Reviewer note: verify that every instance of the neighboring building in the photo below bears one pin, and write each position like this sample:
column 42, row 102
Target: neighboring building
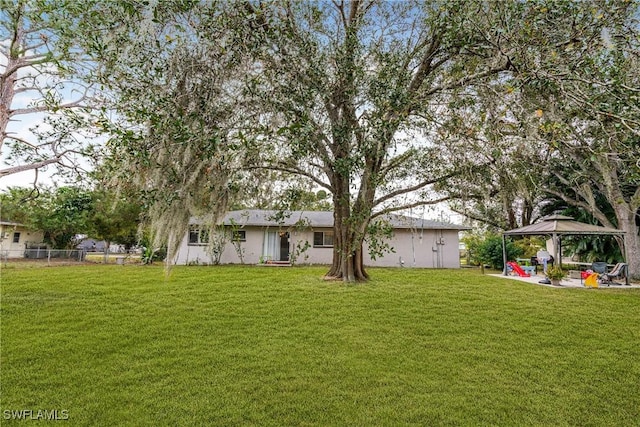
column 91, row 245
column 94, row 245
column 307, row 237
column 15, row 238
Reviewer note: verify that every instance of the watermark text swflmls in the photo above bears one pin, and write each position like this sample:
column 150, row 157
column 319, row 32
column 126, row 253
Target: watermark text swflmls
column 36, row 414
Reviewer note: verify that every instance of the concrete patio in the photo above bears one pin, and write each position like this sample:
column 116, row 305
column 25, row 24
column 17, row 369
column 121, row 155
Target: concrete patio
column 565, row 283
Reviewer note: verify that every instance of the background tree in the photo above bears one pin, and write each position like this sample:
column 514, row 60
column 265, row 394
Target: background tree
column 114, row 217
column 494, row 128
column 178, row 133
column 14, row 203
column 585, row 74
column 563, row 125
column 60, row 213
column 64, row 213
column 486, row 249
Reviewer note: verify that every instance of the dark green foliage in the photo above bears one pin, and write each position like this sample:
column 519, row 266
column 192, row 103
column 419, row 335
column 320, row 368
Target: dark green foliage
column 593, row 248
column 115, row 217
column 487, row 250
column 15, row 203
column 61, row 213
column 65, row 212
column 529, row 245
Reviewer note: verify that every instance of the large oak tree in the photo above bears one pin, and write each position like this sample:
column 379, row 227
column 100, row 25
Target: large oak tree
column 350, row 95
column 592, row 122
column 564, row 125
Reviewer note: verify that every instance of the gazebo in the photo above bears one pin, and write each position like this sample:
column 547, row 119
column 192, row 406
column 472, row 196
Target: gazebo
column 557, row 226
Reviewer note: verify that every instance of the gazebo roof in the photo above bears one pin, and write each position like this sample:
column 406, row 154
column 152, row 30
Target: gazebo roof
column 560, row 224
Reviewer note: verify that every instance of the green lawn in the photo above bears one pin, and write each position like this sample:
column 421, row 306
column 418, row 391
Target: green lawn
column 120, row 345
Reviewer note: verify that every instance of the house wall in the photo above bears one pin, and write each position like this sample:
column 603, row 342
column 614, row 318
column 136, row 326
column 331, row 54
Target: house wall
column 421, row 248
column 16, row 249
column 313, row 255
column 426, row 249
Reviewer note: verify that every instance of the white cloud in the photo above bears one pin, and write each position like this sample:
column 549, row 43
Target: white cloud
column 25, row 179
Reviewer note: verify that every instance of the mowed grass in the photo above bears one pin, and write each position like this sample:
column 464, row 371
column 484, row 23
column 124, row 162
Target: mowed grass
column 122, row 345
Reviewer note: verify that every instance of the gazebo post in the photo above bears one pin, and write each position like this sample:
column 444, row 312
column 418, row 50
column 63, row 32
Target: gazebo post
column 556, row 249
column 560, row 250
column 504, row 254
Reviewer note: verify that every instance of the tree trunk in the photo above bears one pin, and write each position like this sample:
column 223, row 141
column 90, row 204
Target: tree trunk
column 627, row 223
column 347, row 262
column 625, row 209
column 632, row 246
column 9, row 81
column 107, row 245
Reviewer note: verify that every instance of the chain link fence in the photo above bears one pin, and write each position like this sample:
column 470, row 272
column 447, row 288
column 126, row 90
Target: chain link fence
column 43, row 254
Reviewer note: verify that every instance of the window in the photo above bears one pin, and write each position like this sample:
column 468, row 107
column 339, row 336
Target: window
column 239, row 235
column 16, row 237
column 323, row 239
column 198, row 236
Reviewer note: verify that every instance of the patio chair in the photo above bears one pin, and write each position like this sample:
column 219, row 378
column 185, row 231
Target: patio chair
column 599, row 267
column 618, row 272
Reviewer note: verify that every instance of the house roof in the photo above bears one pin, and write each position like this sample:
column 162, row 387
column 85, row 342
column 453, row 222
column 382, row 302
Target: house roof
column 319, row 219
column 14, row 224
column 560, row 224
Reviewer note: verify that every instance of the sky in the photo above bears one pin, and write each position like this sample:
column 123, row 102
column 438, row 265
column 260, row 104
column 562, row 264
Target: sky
column 24, row 179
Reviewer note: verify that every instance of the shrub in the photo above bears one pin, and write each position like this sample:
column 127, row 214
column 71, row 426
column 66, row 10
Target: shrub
column 489, row 251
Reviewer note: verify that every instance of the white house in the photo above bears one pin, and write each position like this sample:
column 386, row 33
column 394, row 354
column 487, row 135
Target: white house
column 258, row 236
column 15, row 238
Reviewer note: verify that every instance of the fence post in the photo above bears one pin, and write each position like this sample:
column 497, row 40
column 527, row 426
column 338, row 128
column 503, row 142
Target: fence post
column 49, row 256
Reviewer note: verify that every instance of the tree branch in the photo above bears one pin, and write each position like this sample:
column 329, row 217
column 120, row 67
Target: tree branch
column 292, row 170
column 31, row 166
column 483, row 220
column 43, row 108
column 415, row 187
column 396, row 162
column 20, row 140
column 463, row 81
column 601, row 217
